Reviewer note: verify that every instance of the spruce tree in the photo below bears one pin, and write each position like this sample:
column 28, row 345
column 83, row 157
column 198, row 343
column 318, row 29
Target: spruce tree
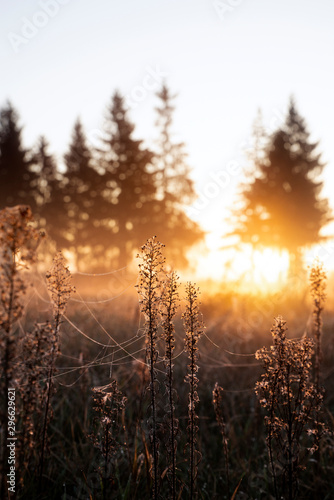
column 46, row 170
column 173, row 171
column 174, row 186
column 282, row 205
column 50, row 209
column 17, row 180
column 130, row 183
column 87, row 207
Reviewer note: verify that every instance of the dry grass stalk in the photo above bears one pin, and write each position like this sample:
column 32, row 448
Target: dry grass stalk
column 318, row 291
column 318, row 279
column 217, row 400
column 193, row 327
column 291, row 402
column 18, row 243
column 149, row 289
column 59, row 284
column 34, row 359
column 109, row 405
column 170, row 299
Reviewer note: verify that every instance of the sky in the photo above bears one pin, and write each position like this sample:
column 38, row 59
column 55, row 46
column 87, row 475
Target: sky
column 224, row 59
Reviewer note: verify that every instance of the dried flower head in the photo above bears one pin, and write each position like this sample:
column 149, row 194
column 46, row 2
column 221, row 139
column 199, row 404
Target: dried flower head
column 192, row 321
column 150, row 271
column 169, row 300
column 318, row 291
column 291, row 402
column 59, row 283
column 17, row 235
column 18, row 242
column 109, row 404
column 318, row 279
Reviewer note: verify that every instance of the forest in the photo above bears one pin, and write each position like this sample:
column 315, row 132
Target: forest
column 119, row 191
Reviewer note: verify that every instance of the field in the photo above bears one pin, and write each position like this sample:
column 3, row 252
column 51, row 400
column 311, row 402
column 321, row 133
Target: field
column 104, row 410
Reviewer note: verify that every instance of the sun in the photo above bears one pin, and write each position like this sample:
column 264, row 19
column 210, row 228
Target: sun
column 269, row 265
column 250, row 268
column 256, row 269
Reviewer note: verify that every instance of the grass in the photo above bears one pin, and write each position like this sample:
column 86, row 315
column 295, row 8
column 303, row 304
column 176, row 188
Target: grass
column 122, row 444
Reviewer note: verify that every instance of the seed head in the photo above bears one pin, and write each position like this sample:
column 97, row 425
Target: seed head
column 59, row 283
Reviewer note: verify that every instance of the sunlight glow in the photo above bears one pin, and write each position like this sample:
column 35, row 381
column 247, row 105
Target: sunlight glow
column 250, row 269
column 269, row 265
column 257, row 269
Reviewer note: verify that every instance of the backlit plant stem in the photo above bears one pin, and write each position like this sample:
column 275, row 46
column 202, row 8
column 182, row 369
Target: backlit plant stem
column 170, row 298
column 194, row 327
column 58, row 282
column 318, row 291
column 150, row 271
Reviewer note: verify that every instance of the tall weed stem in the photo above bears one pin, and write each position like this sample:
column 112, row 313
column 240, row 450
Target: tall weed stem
column 149, row 288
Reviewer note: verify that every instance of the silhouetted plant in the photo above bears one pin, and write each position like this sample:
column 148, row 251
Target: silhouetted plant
column 318, row 291
column 149, row 290
column 318, row 279
column 109, row 404
column 217, row 400
column 170, row 299
column 291, row 402
column 18, row 242
column 193, row 327
column 59, row 284
column 33, row 362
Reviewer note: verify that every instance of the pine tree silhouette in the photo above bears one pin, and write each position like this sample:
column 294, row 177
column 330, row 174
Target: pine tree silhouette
column 51, row 206
column 87, row 208
column 282, row 206
column 174, row 186
column 130, row 180
column 18, row 182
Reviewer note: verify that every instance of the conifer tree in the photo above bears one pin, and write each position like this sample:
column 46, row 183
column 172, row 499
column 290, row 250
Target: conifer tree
column 47, row 168
column 87, row 208
column 174, row 173
column 174, row 185
column 17, row 180
column 51, row 207
column 282, row 206
column 129, row 181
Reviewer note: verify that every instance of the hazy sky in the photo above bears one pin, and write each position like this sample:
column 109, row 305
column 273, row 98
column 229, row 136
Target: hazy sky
column 61, row 59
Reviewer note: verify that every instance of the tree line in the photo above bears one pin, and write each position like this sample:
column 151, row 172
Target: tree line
column 113, row 197
column 110, row 198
